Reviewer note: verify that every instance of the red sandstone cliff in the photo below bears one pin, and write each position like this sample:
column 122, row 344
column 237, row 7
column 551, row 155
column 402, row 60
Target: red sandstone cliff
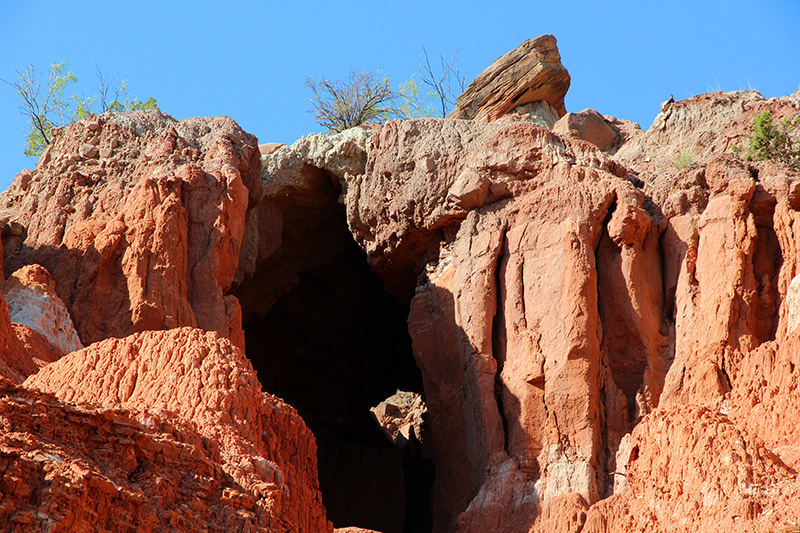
column 605, row 340
column 139, row 218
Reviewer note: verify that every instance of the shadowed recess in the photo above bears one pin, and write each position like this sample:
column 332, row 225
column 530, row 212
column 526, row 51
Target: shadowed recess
column 334, row 345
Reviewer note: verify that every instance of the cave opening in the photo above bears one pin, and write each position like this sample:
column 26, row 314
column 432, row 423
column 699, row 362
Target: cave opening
column 324, row 335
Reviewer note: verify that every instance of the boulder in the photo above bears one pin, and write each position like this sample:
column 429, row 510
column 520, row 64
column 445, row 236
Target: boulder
column 588, row 125
column 24, row 350
column 268, row 148
column 16, row 363
column 529, row 73
column 400, row 416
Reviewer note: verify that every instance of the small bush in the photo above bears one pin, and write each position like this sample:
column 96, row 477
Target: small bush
column 47, row 107
column 773, row 141
column 342, row 104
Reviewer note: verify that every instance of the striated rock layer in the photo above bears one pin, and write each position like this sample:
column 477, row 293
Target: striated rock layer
column 249, row 458
column 532, row 72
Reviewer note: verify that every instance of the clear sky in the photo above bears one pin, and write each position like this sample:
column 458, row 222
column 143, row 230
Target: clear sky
column 248, row 59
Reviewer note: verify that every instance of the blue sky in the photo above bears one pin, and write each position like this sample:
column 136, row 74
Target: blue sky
column 247, row 60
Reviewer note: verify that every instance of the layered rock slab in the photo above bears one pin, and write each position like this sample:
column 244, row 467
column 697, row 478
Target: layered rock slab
column 531, row 72
column 144, row 231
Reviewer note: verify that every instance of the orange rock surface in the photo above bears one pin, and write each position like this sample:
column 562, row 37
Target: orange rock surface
column 145, row 233
column 560, row 305
column 204, row 385
column 606, row 341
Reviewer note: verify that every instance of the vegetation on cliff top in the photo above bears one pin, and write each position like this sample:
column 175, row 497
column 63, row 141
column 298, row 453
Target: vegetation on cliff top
column 774, row 141
column 368, row 96
column 47, row 107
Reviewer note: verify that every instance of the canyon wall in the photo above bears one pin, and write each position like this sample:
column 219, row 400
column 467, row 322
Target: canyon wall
column 605, row 340
column 565, row 297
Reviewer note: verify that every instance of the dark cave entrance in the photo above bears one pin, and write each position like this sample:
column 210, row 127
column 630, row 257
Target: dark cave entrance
column 324, row 335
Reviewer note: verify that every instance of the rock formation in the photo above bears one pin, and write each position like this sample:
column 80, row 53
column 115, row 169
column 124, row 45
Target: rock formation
column 144, row 231
column 262, row 446
column 517, row 275
column 32, row 301
column 531, row 72
column 603, row 331
column 402, row 417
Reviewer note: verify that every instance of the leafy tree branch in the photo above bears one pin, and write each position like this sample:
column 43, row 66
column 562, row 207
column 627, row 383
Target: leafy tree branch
column 363, row 97
column 47, row 107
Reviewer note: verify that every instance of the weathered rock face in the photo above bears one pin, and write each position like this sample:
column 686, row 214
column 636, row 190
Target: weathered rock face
column 522, row 230
column 144, row 232
column 692, row 469
column 91, row 467
column 540, row 113
column 23, row 350
column 294, row 212
column 531, row 72
column 254, row 453
column 557, row 304
column 689, row 134
column 605, row 344
column 149, row 239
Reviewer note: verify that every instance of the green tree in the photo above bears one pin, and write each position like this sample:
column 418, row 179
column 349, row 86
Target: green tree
column 413, row 103
column 444, row 85
column 341, row 104
column 113, row 95
column 47, row 107
column 772, row 140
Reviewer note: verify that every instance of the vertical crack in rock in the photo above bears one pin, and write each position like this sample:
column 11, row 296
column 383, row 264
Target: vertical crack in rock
column 499, row 340
column 767, row 262
column 478, row 247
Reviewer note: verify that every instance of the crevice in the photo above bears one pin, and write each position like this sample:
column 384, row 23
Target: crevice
column 727, row 379
column 767, row 262
column 622, row 345
column 669, row 275
column 499, row 340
